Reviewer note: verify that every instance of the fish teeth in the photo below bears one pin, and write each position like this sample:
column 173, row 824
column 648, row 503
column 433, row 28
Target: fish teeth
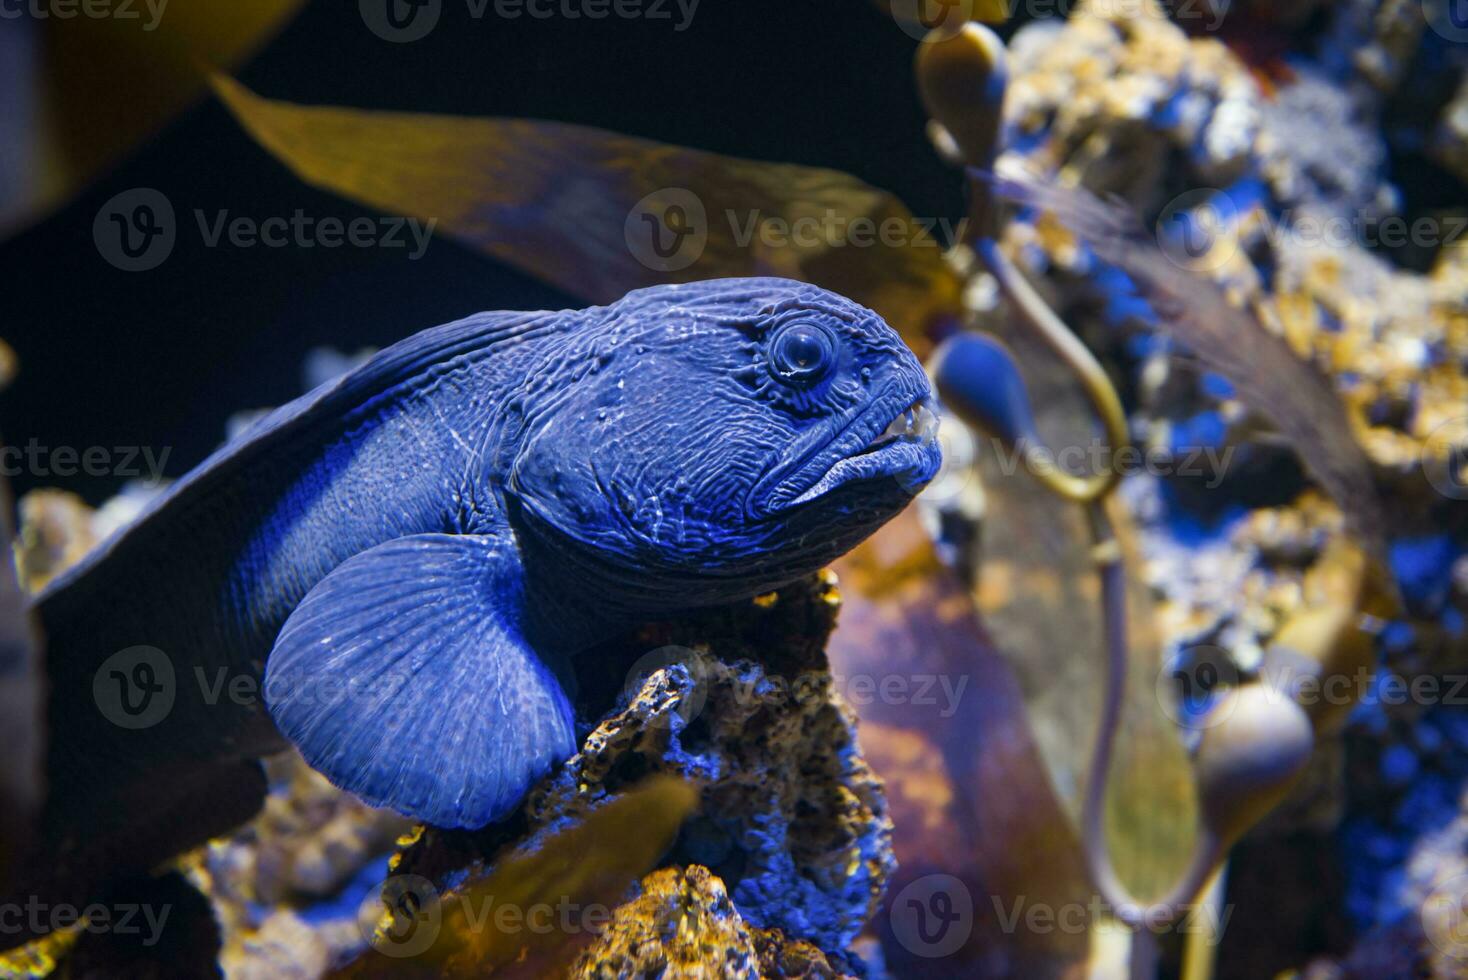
column 917, row 422
column 926, row 423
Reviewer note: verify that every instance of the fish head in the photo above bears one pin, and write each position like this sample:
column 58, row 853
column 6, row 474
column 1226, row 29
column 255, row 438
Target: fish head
column 727, row 435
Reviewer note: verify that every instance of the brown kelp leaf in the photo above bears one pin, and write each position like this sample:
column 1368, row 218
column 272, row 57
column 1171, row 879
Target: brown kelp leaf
column 156, row 56
column 1039, row 594
column 943, row 721
column 1267, row 374
column 596, row 213
column 529, row 914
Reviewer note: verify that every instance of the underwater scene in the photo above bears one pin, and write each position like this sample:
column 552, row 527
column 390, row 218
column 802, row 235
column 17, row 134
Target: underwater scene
column 692, row 489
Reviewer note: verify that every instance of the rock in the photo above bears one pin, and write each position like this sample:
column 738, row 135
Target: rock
column 1290, row 183
column 1119, row 90
column 281, row 948
column 792, row 819
column 1450, row 141
column 780, row 956
column 55, row 532
column 682, row 927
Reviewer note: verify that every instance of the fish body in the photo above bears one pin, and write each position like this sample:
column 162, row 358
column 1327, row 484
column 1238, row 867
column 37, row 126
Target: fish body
column 395, row 572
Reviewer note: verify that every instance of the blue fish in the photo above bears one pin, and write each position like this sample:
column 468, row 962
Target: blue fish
column 405, row 561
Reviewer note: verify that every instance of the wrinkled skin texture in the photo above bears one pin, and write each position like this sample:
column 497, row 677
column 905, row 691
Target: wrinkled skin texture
column 678, row 459
column 461, row 516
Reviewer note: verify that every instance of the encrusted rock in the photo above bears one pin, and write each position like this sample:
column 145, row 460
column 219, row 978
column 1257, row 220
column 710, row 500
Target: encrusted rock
column 793, row 820
column 1291, row 182
column 55, row 532
column 275, row 882
column 282, row 947
column 1388, row 32
column 1118, row 90
column 780, row 957
column 682, row 927
column 1450, row 142
column 57, row 528
column 1422, row 905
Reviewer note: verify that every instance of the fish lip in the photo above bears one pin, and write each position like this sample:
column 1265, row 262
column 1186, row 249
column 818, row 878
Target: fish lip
column 787, row 486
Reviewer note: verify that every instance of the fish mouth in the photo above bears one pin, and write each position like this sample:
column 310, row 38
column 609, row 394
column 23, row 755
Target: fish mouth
column 900, row 443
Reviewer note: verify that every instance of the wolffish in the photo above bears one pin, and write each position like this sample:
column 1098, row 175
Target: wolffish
column 406, row 560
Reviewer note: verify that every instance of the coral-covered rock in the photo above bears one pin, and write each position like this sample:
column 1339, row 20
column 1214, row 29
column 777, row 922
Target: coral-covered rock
column 1118, row 91
column 792, row 820
column 1450, row 141
column 275, row 882
column 55, row 532
column 780, row 956
column 1288, row 185
column 682, row 927
column 281, row 947
column 1382, row 36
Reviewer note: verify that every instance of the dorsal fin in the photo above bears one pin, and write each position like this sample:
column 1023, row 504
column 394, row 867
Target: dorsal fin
column 436, row 350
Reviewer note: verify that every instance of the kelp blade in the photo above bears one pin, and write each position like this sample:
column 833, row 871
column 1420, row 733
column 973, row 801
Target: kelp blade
column 1039, row 595
column 590, row 865
column 578, row 207
column 158, row 53
column 968, row 789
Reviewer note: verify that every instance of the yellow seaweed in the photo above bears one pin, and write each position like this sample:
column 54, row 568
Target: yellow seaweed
column 596, row 213
column 163, row 53
column 1049, row 626
column 464, row 932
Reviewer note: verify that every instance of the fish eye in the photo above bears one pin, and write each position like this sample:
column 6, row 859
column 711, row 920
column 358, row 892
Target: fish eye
column 802, row 353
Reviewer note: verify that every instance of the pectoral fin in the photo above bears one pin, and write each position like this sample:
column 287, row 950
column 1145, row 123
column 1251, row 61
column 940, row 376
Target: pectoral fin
column 404, row 677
